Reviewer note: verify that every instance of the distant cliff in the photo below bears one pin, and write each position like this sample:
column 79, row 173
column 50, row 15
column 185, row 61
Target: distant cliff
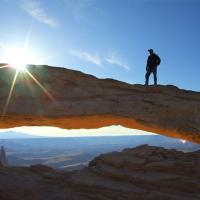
column 3, row 158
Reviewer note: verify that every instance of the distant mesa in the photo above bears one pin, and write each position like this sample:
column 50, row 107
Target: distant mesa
column 71, row 99
column 17, row 135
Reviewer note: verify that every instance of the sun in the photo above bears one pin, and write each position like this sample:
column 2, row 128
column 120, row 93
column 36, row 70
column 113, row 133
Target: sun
column 18, row 57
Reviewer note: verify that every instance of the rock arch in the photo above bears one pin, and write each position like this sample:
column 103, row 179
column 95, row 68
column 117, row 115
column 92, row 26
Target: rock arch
column 71, row 99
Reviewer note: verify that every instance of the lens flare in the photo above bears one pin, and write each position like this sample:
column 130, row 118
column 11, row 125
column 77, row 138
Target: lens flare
column 18, row 57
column 183, row 141
column 10, row 93
column 5, row 66
column 40, row 85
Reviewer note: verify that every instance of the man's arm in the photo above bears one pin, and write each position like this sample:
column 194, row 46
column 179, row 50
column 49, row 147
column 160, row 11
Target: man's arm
column 147, row 65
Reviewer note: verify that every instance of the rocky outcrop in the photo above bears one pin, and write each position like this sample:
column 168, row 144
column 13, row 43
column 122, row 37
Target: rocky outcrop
column 145, row 172
column 71, row 99
column 3, row 158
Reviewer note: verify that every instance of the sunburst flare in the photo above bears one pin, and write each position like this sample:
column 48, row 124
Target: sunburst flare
column 40, row 85
column 19, row 57
column 10, row 93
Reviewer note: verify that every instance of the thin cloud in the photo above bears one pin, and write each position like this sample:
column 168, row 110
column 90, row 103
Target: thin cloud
column 82, row 10
column 115, row 59
column 93, row 58
column 35, row 9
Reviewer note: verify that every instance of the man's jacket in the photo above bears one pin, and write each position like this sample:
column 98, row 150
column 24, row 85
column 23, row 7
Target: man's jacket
column 153, row 61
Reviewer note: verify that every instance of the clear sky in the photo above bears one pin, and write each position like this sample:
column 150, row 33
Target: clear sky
column 109, row 38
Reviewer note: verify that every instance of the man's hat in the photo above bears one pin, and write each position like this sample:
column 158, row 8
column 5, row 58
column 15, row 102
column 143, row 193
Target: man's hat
column 150, row 50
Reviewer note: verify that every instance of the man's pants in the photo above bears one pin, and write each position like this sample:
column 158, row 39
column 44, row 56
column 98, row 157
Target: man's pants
column 148, row 73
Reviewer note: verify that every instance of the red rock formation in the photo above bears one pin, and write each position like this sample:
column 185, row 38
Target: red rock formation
column 77, row 100
column 144, row 172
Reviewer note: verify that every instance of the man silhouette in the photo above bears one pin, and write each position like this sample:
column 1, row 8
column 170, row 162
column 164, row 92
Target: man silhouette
column 152, row 62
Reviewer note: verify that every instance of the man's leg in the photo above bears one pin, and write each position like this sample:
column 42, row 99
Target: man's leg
column 147, row 76
column 155, row 75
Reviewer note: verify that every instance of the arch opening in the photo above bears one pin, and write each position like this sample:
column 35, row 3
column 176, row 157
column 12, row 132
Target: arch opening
column 75, row 148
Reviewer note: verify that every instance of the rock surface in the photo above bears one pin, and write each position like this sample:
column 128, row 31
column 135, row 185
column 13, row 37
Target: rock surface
column 3, row 158
column 145, row 172
column 70, row 99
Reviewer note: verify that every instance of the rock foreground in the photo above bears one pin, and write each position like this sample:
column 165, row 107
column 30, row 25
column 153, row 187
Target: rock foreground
column 144, row 172
column 71, row 99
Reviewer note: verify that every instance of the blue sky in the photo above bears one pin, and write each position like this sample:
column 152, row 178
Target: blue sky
column 109, row 38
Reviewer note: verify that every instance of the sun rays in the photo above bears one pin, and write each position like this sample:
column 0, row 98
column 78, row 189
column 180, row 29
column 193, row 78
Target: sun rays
column 10, row 93
column 25, row 71
column 18, row 59
column 40, row 85
column 30, row 75
column 3, row 66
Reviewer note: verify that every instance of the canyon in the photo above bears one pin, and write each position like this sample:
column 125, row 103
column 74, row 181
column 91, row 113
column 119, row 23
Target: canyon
column 144, row 172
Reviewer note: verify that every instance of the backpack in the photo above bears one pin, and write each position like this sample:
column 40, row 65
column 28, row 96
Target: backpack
column 158, row 60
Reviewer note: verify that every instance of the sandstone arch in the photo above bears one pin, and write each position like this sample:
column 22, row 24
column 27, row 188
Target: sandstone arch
column 84, row 101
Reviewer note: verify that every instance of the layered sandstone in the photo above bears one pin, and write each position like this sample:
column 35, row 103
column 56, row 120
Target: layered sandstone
column 71, row 99
column 145, row 172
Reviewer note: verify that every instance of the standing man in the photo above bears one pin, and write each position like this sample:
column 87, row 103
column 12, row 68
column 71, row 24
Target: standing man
column 152, row 62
